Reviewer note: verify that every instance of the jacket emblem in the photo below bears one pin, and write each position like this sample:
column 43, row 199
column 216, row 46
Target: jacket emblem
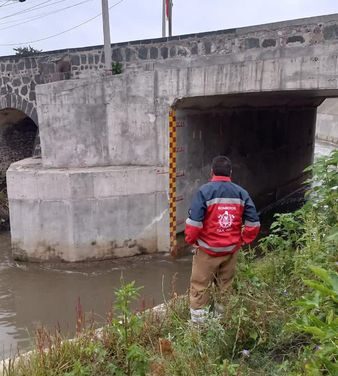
column 225, row 220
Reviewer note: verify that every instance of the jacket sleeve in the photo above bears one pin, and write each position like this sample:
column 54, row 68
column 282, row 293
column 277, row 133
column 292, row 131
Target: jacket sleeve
column 251, row 221
column 194, row 223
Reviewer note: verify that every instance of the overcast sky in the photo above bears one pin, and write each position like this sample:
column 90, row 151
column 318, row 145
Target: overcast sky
column 23, row 23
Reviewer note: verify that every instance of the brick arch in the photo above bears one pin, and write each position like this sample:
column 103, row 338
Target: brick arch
column 15, row 101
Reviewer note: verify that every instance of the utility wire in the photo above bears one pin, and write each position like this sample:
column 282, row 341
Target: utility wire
column 9, row 20
column 14, row 2
column 62, row 32
column 25, row 10
column 34, row 8
column 4, row 4
column 37, row 17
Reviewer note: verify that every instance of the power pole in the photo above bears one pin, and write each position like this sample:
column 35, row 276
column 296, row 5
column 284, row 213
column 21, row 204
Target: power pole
column 106, row 36
column 170, row 17
column 163, row 18
column 167, row 16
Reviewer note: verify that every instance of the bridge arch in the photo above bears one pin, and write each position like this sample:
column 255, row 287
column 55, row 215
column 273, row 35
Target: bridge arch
column 16, row 102
column 18, row 133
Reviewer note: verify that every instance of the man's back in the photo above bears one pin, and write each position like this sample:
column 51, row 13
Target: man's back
column 217, row 214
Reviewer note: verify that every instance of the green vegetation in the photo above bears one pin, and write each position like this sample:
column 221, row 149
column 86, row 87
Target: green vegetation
column 26, row 51
column 280, row 317
column 116, row 67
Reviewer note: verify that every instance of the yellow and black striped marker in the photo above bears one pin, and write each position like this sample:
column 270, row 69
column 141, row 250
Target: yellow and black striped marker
column 172, row 181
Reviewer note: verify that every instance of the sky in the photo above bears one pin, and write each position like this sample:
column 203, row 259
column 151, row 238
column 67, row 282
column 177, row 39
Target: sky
column 22, row 24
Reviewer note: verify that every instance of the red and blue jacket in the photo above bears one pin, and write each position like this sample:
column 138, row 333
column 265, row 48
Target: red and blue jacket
column 222, row 217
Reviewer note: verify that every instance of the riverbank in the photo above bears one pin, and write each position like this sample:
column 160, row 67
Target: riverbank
column 35, row 295
column 32, row 295
column 280, row 317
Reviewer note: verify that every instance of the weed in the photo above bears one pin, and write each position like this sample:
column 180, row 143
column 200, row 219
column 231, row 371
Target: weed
column 117, row 68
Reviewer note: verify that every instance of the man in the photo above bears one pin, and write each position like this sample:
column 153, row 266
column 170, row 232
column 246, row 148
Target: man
column 222, row 217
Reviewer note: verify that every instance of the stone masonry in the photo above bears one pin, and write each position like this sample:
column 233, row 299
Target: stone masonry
column 19, row 76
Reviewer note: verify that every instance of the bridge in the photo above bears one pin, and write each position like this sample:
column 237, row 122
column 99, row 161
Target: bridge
column 122, row 155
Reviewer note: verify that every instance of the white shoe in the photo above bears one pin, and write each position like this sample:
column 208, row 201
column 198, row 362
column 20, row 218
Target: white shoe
column 199, row 316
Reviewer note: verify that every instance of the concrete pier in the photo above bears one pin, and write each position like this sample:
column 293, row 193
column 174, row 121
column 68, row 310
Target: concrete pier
column 85, row 213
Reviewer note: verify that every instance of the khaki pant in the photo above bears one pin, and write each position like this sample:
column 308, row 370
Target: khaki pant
column 207, row 269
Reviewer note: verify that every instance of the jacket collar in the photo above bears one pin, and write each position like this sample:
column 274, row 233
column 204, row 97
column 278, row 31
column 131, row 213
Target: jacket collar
column 220, row 178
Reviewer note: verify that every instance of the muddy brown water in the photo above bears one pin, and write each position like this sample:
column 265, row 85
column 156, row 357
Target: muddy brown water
column 32, row 295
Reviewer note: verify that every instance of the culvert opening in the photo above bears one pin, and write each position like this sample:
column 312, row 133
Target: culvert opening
column 270, row 139
column 17, row 139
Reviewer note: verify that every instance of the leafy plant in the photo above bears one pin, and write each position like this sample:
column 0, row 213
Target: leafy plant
column 126, row 328
column 116, row 68
column 318, row 317
column 26, row 51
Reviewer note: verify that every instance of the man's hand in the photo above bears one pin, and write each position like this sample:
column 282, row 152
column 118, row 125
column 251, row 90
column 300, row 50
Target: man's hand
column 194, row 249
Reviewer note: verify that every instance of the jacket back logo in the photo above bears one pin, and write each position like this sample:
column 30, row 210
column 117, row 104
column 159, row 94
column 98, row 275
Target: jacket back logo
column 225, row 220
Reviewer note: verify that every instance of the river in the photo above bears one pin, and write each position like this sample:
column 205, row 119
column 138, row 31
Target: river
column 32, row 295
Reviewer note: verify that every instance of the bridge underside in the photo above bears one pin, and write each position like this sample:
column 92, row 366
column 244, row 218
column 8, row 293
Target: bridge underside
column 17, row 137
column 269, row 138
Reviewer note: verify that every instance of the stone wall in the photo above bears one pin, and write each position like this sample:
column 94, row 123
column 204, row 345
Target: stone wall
column 19, row 76
column 16, row 142
column 17, row 137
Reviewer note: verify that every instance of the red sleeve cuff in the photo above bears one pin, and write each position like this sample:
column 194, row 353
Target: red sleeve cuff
column 250, row 233
column 191, row 234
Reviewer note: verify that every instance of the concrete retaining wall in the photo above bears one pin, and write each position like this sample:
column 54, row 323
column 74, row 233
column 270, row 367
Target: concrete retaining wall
column 100, row 122
column 327, row 121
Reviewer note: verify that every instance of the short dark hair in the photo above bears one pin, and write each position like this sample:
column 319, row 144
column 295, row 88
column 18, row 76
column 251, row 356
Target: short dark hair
column 221, row 166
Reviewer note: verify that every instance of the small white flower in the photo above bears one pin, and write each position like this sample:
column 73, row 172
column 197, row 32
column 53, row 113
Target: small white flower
column 246, row 353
